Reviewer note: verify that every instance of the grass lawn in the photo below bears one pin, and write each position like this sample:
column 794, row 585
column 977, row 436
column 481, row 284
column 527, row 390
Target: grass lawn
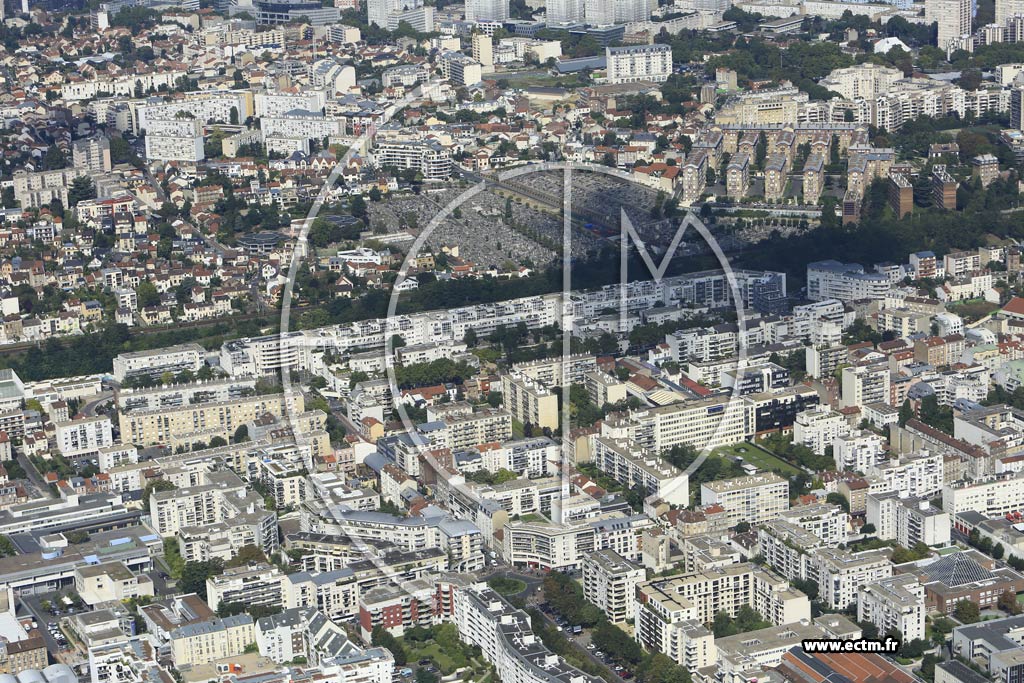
column 973, row 309
column 758, row 457
column 432, row 651
column 507, row 586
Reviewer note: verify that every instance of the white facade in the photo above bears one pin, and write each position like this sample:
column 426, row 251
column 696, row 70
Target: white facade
column 85, row 436
column 633, row 63
column 896, row 603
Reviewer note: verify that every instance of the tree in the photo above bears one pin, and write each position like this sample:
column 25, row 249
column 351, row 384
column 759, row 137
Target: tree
column 967, row 612
column 246, row 555
column 998, row 551
column 241, row 434
column 7, row 198
column 617, row 643
column 153, row 487
column 54, row 158
column 82, row 188
column 194, row 576
column 868, row 529
column 234, row 116
column 147, row 294
column 906, row 413
column 217, row 442
column 382, row 638
column 1008, row 602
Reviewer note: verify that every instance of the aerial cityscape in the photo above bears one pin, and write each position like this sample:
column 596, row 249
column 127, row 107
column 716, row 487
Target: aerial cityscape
column 511, row 341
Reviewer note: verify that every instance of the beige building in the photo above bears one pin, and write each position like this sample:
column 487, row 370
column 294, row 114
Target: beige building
column 670, row 612
column 190, row 424
column 110, row 581
column 530, row 402
column 208, row 641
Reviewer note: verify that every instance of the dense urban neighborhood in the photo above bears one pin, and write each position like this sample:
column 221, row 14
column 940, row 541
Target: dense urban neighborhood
column 521, row 341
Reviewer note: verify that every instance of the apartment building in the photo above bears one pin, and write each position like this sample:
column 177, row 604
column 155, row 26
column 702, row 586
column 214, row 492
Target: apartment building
column 208, row 641
column 993, row 496
column 864, row 384
column 894, row 604
column 609, row 581
column 844, row 281
column 213, row 517
column 174, row 139
column 813, row 178
column 529, row 402
column 468, row 429
column 434, row 528
column 254, row 584
column 864, row 81
column 92, row 154
column 190, row 424
column 506, row 639
column 637, row 63
column 818, row 427
column 663, row 604
column 753, row 499
column 155, row 362
column 840, row 573
column 858, row 451
column 708, row 423
column 737, row 176
column 918, row 475
column 632, row 466
column 908, row 521
column 85, row 436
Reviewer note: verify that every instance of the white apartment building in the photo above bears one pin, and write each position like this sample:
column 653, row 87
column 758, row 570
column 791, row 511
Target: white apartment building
column 174, row 139
column 830, row 523
column 840, row 573
column 428, row 158
column 818, row 427
column 864, row 384
column 565, row 11
column 895, row 603
column 920, row 475
column 92, row 154
column 667, row 606
column 278, row 103
column 462, row 540
column 864, row 81
column 486, row 10
column 506, row 639
column 632, row 466
column 116, row 455
column 708, row 423
column 609, row 581
column 994, row 496
column 84, row 436
column 256, row 584
column 858, row 451
column 635, row 63
column 908, row 521
column 953, row 17
column 155, row 362
column 753, row 499
column 460, row 69
column 302, row 124
column 844, row 281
